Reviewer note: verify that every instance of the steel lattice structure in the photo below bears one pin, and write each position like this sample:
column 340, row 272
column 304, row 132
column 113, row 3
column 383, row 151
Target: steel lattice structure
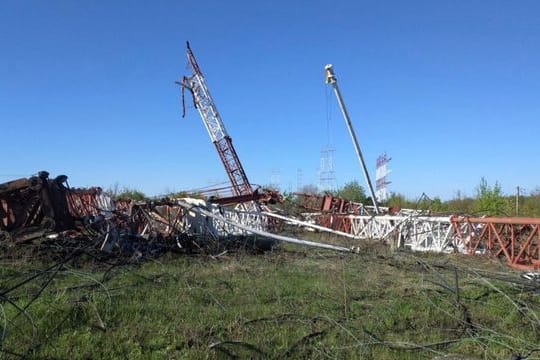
column 216, row 129
column 516, row 239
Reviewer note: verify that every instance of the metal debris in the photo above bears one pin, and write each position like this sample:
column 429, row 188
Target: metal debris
column 38, row 209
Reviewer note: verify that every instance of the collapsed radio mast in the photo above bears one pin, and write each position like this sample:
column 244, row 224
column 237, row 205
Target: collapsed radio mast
column 202, row 100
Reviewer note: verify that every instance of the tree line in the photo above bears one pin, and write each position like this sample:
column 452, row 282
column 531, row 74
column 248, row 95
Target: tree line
column 488, row 200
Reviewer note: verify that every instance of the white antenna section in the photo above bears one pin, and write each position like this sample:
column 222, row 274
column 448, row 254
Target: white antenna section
column 380, row 177
column 327, row 176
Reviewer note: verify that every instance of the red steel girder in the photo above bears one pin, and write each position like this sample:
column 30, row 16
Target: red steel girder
column 517, row 240
column 233, row 167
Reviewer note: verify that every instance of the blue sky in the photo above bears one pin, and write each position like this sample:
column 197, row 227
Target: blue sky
column 449, row 89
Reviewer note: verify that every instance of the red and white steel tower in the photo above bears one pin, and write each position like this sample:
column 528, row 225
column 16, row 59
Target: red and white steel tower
column 202, row 100
column 380, row 177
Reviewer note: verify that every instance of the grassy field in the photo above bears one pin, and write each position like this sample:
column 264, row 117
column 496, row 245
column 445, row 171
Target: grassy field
column 291, row 302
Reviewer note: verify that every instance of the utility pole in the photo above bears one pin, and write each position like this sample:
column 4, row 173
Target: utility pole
column 517, row 200
column 331, row 79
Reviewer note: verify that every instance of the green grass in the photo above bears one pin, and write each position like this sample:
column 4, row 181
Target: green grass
column 288, row 303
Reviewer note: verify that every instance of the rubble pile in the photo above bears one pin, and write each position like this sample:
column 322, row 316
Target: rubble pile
column 46, row 211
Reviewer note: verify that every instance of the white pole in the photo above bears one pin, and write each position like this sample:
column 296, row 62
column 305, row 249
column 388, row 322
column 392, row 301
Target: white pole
column 202, row 211
column 313, row 226
column 331, row 79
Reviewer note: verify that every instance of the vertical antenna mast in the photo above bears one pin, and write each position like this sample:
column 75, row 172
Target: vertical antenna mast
column 331, row 79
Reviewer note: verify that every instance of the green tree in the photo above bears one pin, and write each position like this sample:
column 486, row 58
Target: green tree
column 437, row 205
column 132, row 194
column 530, row 205
column 489, row 199
column 352, row 191
column 397, row 200
column 460, row 204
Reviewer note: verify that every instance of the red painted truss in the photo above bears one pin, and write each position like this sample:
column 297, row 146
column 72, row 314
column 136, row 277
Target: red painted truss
column 517, row 240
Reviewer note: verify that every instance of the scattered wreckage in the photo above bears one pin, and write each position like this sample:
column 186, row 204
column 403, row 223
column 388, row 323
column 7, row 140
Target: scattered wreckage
column 516, row 240
column 41, row 207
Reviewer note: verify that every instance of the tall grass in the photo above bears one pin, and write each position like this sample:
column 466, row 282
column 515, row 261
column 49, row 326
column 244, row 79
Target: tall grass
column 288, row 303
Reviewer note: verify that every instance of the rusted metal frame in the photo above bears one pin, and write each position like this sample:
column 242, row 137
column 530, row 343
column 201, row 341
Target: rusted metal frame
column 56, row 199
column 347, row 224
column 475, row 239
column 32, row 206
column 327, row 203
column 15, row 185
column 151, row 219
column 47, row 207
column 500, row 237
column 331, row 204
column 233, row 168
column 138, row 220
column 145, row 219
column 310, row 201
column 6, row 215
column 510, row 240
column 87, row 205
column 525, row 248
column 261, row 196
column 154, row 217
column 529, row 258
column 78, row 205
column 494, row 234
column 330, row 221
column 538, row 243
column 162, row 215
column 33, row 211
column 235, row 199
column 326, row 220
column 175, row 220
column 459, row 234
column 160, row 218
column 340, row 206
column 335, row 222
column 338, row 222
column 528, row 245
column 534, row 246
column 524, row 257
column 168, row 220
column 22, row 204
